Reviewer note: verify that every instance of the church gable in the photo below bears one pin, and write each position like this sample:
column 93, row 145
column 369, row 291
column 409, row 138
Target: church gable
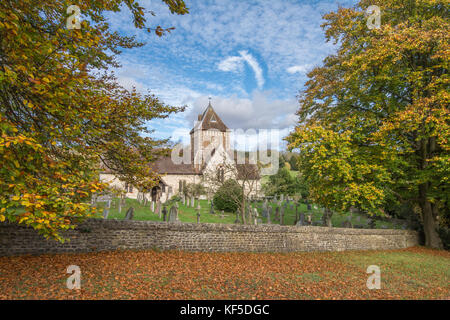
column 210, row 120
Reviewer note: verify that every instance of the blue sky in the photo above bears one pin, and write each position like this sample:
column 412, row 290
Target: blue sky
column 251, row 57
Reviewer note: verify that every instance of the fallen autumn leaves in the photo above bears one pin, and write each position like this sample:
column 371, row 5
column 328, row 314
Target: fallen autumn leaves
column 414, row 273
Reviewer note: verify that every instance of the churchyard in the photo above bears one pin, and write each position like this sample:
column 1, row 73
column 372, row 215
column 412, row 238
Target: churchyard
column 187, row 213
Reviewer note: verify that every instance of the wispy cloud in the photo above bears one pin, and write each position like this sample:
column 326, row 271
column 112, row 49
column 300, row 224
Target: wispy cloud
column 299, row 68
column 236, row 64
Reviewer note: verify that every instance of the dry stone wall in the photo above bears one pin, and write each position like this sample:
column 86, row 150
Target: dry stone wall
column 105, row 235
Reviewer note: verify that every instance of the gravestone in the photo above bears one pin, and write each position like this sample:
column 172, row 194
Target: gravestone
column 264, row 212
column 198, row 217
column 309, row 219
column 158, row 209
column 192, row 201
column 222, row 215
column 282, row 197
column 258, row 221
column 211, row 209
column 106, row 209
column 358, row 219
column 302, row 219
column 164, row 212
column 269, row 213
column 152, row 206
column 173, row 214
column 237, row 217
column 187, row 202
column 130, row 214
column 371, row 223
column 346, row 224
column 277, row 214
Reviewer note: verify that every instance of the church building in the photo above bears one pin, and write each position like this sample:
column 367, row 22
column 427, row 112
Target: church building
column 208, row 157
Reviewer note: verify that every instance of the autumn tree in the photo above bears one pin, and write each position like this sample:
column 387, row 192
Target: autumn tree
column 374, row 118
column 62, row 113
column 245, row 175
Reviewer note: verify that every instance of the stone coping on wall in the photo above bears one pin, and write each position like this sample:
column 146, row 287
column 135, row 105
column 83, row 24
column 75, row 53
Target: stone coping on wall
column 185, row 226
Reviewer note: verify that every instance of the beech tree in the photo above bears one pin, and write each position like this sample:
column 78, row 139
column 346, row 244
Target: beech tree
column 374, row 118
column 62, row 113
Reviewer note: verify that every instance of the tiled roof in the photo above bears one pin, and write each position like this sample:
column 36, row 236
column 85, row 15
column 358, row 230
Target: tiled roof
column 210, row 120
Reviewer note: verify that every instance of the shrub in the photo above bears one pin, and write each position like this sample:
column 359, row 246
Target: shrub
column 228, row 197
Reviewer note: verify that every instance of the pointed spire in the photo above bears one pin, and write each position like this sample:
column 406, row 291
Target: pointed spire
column 209, row 104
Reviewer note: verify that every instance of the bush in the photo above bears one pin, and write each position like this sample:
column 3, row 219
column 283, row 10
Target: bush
column 444, row 234
column 228, row 197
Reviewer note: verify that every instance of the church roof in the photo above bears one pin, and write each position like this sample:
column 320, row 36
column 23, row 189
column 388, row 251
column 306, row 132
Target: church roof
column 209, row 120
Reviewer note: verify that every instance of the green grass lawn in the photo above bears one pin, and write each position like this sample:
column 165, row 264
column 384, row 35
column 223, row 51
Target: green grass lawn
column 189, row 214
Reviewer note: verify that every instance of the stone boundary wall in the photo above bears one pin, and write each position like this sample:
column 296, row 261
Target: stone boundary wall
column 106, row 235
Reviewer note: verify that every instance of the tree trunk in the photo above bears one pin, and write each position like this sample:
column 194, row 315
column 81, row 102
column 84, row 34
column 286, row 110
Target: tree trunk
column 429, row 214
column 432, row 239
column 243, row 208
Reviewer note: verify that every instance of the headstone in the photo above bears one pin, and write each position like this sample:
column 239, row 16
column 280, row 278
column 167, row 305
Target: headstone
column 277, row 214
column 158, row 209
column 152, row 206
column 187, row 202
column 130, row 214
column 258, row 221
column 302, row 219
column 309, row 219
column 237, row 216
column 346, row 224
column 222, row 215
column 173, row 214
column 358, row 219
column 282, row 197
column 264, row 210
column 164, row 212
column 211, row 209
column 198, row 217
column 106, row 209
column 371, row 223
column 192, row 201
column 269, row 213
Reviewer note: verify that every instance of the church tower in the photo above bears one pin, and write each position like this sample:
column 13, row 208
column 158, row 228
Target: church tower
column 208, row 134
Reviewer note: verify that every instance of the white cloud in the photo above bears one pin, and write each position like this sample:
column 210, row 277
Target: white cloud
column 299, row 68
column 235, row 64
column 260, row 111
